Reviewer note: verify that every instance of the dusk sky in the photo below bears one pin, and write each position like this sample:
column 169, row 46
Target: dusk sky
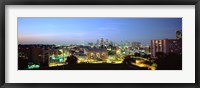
column 84, row 30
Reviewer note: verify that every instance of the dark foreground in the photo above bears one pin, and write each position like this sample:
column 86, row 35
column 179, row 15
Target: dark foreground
column 94, row 67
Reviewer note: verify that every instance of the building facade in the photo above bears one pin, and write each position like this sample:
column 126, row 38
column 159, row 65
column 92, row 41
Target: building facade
column 97, row 54
column 166, row 46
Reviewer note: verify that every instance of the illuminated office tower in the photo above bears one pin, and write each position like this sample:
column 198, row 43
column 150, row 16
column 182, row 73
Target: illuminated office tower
column 97, row 44
column 102, row 42
column 166, row 46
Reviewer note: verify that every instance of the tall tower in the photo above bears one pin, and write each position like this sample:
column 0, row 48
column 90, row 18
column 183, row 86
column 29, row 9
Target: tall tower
column 97, row 41
column 97, row 44
column 107, row 42
column 102, row 41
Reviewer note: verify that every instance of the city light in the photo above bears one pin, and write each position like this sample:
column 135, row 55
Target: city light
column 34, row 66
column 127, row 43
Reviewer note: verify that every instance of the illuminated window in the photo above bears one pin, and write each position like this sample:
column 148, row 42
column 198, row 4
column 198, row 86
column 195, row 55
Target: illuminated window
column 98, row 55
column 103, row 55
column 160, row 41
column 156, row 41
column 91, row 55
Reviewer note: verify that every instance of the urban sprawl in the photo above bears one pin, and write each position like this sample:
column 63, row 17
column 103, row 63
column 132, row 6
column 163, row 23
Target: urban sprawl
column 157, row 53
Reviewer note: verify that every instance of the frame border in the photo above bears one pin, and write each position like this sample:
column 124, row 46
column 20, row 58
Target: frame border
column 98, row 2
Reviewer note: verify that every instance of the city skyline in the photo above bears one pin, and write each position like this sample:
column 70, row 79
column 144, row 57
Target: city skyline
column 84, row 30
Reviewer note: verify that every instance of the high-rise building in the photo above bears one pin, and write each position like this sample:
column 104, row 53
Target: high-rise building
column 166, row 46
column 98, row 43
column 102, row 42
column 106, row 43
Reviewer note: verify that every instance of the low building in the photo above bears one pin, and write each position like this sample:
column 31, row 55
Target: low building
column 96, row 54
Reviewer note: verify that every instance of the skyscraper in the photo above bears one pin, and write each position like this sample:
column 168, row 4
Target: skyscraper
column 97, row 44
column 106, row 43
column 102, row 42
column 166, row 46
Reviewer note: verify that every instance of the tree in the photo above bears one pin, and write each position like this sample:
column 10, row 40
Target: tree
column 170, row 61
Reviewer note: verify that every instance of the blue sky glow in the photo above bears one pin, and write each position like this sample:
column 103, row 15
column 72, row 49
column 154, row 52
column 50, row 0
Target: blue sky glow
column 79, row 30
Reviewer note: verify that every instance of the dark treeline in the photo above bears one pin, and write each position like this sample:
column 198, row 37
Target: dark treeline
column 170, row 61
